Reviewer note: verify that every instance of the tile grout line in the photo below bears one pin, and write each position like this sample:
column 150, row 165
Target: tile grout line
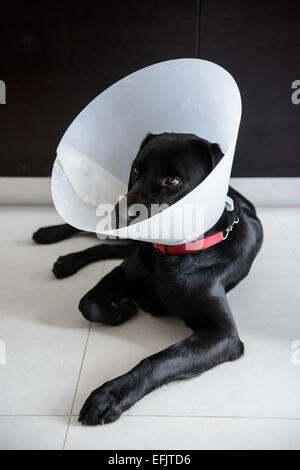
column 81, row 366
column 34, row 416
column 166, row 416
column 214, row 417
column 77, row 385
column 289, row 244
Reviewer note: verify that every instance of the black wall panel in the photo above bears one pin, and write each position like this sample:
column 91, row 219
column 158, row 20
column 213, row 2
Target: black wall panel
column 58, row 55
column 259, row 43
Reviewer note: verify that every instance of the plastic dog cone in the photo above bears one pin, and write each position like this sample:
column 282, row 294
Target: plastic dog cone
column 94, row 157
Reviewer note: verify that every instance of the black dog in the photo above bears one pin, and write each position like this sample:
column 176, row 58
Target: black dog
column 191, row 286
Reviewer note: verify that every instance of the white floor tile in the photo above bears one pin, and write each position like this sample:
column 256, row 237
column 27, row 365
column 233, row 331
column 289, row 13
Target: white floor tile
column 22, row 253
column 275, row 257
column 44, row 333
column 32, row 433
column 46, row 336
column 264, row 383
column 186, row 433
column 289, row 220
column 112, row 351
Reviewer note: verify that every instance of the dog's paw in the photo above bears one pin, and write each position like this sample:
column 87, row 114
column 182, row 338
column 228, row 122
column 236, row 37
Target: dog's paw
column 121, row 310
column 104, row 405
column 65, row 266
column 43, row 235
column 111, row 312
column 50, row 234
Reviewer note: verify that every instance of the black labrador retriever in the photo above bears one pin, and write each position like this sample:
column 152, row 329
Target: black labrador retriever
column 191, row 286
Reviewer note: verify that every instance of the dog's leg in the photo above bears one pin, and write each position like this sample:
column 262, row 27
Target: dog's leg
column 70, row 264
column 110, row 301
column 54, row 234
column 217, row 342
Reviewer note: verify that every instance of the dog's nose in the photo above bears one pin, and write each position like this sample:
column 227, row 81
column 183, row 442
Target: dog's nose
column 131, row 218
column 124, row 216
column 120, row 216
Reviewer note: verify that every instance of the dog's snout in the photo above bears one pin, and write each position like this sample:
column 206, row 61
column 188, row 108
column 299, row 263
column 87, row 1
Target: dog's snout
column 132, row 207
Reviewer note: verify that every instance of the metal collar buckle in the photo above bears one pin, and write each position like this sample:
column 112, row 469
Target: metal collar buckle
column 230, row 228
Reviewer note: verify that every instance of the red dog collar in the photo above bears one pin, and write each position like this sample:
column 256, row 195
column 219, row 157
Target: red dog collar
column 197, row 245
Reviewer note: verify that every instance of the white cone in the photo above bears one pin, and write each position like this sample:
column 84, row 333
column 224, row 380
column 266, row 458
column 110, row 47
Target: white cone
column 95, row 154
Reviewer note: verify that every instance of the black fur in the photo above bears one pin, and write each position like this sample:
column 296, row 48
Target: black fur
column 192, row 287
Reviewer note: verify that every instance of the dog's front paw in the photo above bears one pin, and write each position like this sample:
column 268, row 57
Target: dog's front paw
column 104, row 405
column 111, row 312
column 52, row 234
column 44, row 235
column 66, row 266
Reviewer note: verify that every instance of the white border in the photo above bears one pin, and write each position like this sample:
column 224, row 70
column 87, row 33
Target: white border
column 260, row 191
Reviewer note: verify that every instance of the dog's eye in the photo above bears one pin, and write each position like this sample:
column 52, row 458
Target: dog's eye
column 135, row 172
column 172, row 181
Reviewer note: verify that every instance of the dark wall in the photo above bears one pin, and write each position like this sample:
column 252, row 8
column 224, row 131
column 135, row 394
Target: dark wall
column 58, row 55
column 259, row 43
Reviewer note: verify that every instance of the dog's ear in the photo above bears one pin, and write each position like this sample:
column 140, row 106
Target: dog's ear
column 211, row 152
column 216, row 155
column 130, row 182
column 147, row 139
